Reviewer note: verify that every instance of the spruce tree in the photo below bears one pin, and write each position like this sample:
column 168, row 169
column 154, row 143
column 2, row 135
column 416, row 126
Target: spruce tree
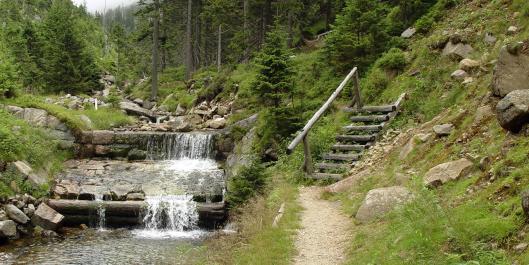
column 274, row 90
column 68, row 67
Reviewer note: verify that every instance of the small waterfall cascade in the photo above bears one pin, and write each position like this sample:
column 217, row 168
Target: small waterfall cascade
column 171, row 213
column 177, row 146
column 101, row 217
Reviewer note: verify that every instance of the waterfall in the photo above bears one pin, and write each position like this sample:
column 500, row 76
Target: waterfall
column 101, row 216
column 178, row 146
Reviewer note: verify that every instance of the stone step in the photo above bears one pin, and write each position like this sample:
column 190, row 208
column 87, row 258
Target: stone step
column 370, row 118
column 356, row 138
column 342, row 157
column 372, row 109
column 333, row 166
column 349, row 147
column 327, row 176
column 364, row 128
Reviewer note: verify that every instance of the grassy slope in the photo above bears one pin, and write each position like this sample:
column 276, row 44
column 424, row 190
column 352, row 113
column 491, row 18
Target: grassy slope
column 451, row 225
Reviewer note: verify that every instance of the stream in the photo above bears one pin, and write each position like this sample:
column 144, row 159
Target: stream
column 180, row 168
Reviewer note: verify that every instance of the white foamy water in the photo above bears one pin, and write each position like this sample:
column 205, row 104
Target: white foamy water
column 170, row 216
column 186, row 165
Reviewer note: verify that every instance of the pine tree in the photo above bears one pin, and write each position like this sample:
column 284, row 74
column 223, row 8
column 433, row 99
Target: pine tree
column 68, row 67
column 274, row 90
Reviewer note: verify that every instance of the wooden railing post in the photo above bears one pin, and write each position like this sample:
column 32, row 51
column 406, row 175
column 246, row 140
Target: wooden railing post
column 359, row 104
column 307, row 162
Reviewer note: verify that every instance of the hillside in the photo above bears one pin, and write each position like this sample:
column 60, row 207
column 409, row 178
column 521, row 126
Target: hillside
column 175, row 125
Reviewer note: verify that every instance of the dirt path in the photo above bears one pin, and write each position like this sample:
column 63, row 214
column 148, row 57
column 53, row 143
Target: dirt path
column 325, row 232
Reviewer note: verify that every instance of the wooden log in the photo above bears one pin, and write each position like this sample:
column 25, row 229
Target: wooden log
column 356, row 138
column 112, row 208
column 307, row 162
column 325, row 176
column 364, row 128
column 342, row 157
column 319, row 113
column 347, row 147
column 333, row 166
column 111, row 221
column 370, row 118
column 372, row 109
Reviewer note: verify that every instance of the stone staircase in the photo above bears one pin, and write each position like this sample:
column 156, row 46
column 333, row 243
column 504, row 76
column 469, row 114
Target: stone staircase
column 367, row 125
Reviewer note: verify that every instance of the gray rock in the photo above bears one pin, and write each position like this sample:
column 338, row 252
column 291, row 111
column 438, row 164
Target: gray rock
column 179, row 124
column 3, row 215
column 102, row 137
column 379, row 202
column 490, row 39
column 457, row 51
column 180, row 110
column 134, row 109
column 521, row 247
column 16, row 214
column 26, row 230
column 52, row 122
column 16, row 111
column 412, row 143
column 67, row 189
column 135, row 197
column 36, row 117
column 512, row 30
column 510, row 73
column 86, row 120
column 47, row 218
column 120, row 192
column 136, row 154
column 459, row 75
column 408, row 33
column 525, row 202
column 483, row 113
column 513, row 110
column 109, row 78
column 8, row 229
column 29, row 210
column 149, row 104
column 445, row 172
column 242, row 154
column 443, row 129
column 49, row 234
column 26, row 172
column 469, row 64
column 138, row 101
column 218, row 123
column 223, row 110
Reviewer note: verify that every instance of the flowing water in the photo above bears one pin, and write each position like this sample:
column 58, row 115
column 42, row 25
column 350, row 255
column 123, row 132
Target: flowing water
column 181, row 166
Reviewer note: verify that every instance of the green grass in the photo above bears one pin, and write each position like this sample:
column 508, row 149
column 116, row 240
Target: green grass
column 103, row 118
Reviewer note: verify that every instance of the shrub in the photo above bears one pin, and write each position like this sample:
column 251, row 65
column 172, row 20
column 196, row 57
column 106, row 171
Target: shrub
column 8, row 80
column 250, row 181
column 394, row 59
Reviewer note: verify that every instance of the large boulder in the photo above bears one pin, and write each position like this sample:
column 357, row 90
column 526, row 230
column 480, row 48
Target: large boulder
column 16, row 111
column 457, row 50
column 379, row 202
column 513, row 110
column 47, row 218
column 67, row 189
column 134, row 109
column 102, row 137
column 26, row 172
column 16, row 214
column 8, row 229
column 445, row 172
column 36, row 117
column 217, row 123
column 511, row 71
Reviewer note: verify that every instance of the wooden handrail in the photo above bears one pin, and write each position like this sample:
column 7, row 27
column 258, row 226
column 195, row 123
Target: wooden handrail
column 302, row 136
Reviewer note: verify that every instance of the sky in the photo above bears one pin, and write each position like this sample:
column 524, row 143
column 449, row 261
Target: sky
column 99, row 5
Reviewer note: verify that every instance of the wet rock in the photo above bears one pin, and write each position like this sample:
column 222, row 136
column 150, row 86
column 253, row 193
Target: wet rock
column 49, row 234
column 102, row 137
column 8, row 229
column 379, row 202
column 445, row 172
column 513, row 110
column 458, row 50
column 120, row 192
column 408, row 33
column 15, row 214
column 26, row 230
column 459, row 75
column 47, row 218
column 469, row 64
column 67, row 189
column 135, row 197
column 89, row 192
column 511, row 72
column 443, row 129
column 136, row 154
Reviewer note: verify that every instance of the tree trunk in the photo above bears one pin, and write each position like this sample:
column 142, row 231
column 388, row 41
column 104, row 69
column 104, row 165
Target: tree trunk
column 246, row 32
column 188, row 46
column 290, row 30
column 328, row 15
column 155, row 40
column 219, row 49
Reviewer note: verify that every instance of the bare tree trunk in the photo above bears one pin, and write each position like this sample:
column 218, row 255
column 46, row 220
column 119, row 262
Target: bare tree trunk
column 155, row 40
column 164, row 41
column 246, row 33
column 219, row 49
column 188, row 46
